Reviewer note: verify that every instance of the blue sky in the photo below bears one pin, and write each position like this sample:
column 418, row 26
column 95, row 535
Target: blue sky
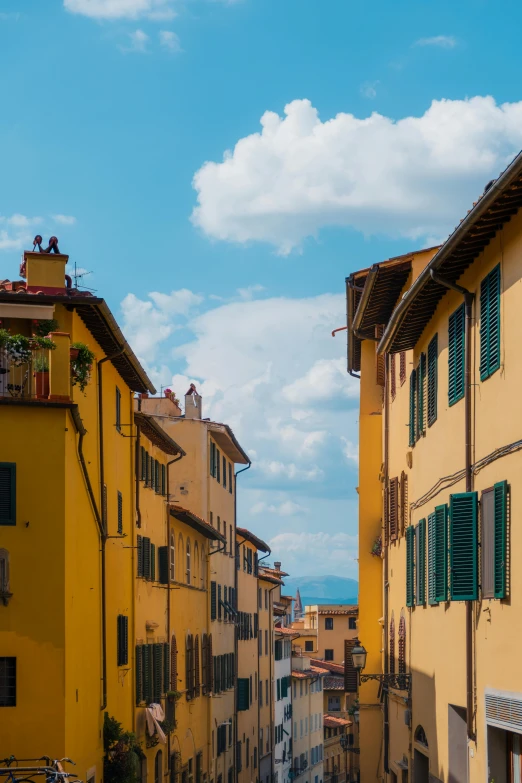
column 116, row 116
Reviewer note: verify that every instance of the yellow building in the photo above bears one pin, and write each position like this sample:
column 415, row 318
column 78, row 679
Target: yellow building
column 336, row 761
column 324, row 629
column 66, row 517
column 447, row 457
column 269, row 591
column 307, row 718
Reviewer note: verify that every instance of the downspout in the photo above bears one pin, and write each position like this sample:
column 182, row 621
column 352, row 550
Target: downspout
column 468, row 309
column 104, row 533
column 236, row 645
column 270, row 657
column 386, row 561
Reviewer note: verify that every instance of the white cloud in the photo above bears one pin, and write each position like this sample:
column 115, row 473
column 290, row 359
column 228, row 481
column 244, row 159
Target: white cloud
column 289, row 471
column 138, row 42
column 286, row 509
column 406, row 177
column 329, row 552
column 323, row 382
column 350, row 450
column 64, row 220
column 157, row 10
column 247, row 294
column 16, row 234
column 20, row 221
column 369, row 89
column 442, row 41
column 169, row 40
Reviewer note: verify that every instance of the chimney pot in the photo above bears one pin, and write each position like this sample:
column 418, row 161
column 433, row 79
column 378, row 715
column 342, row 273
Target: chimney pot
column 277, row 566
column 193, row 406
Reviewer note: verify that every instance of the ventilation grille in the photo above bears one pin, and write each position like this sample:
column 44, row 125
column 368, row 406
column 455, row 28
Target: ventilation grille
column 504, row 712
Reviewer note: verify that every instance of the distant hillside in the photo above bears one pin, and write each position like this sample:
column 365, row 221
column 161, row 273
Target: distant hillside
column 322, row 589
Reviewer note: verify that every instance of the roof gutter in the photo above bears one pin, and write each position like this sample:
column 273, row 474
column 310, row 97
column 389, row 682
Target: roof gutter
column 506, row 178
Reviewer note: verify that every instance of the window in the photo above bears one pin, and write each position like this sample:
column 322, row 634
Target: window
column 352, row 623
column 120, row 513
column 421, row 377
column 266, row 642
column 464, row 546
column 212, row 459
column 230, row 478
column 7, row 493
column 328, row 623
column 7, row 682
column 4, row 574
column 328, row 655
column 413, row 389
column 172, row 556
column 456, row 357
column 391, row 654
column 393, row 508
column 433, row 351
column 189, row 581
column 494, row 541
column 266, row 599
column 189, row 667
column 218, row 466
column 157, row 474
column 243, row 695
column 224, row 473
column 260, row 598
column 123, row 639
column 118, row 409
column 402, row 646
column 410, row 543
column 420, row 563
column 197, row 681
column 266, row 692
column 163, row 480
column 158, row 767
column 309, row 646
column 438, row 555
column 490, row 324
column 393, row 377
column 402, row 367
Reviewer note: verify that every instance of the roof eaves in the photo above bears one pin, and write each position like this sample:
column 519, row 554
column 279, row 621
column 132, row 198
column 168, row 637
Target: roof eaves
column 195, row 522
column 253, row 539
column 156, row 434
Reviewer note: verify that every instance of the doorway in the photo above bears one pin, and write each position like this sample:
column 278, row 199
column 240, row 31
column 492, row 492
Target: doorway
column 457, row 745
column 421, row 767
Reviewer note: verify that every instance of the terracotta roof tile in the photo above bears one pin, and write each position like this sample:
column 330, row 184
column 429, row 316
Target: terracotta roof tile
column 334, row 723
column 333, row 684
column 338, row 668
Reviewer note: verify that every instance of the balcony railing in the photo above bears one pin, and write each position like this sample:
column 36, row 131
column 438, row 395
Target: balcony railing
column 36, row 369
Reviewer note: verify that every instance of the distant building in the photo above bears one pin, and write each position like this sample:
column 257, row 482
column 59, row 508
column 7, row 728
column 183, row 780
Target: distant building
column 298, row 606
column 324, row 628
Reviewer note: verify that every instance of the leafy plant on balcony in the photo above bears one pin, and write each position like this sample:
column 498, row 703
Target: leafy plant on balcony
column 377, row 547
column 123, row 753
column 81, row 365
column 19, row 347
column 41, row 364
column 44, row 327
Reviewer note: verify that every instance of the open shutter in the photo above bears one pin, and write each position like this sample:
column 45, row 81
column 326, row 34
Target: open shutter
column 393, row 508
column 163, row 480
column 412, row 427
column 421, row 375
column 432, row 549
column 146, row 651
column 379, row 358
column 433, row 352
column 157, row 653
column 393, row 376
column 441, row 553
column 410, row 543
column 464, row 546
column 163, row 564
column 120, row 513
column 500, row 561
column 420, row 563
column 166, row 666
column 213, row 601
column 173, row 664
column 139, row 549
column 122, row 639
column 146, row 557
column 143, row 472
column 402, row 367
column 490, row 323
column 139, row 674
column 404, row 501
column 197, row 682
column 350, row 674
column 456, row 357
column 153, row 562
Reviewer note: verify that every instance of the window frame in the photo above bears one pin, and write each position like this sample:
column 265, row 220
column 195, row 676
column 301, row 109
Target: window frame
column 10, row 467
column 7, row 700
column 118, row 409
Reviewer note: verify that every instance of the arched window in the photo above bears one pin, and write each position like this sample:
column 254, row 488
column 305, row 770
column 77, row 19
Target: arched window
column 196, row 666
column 173, row 664
column 189, row 667
column 402, row 645
column 196, row 564
column 172, row 555
column 391, row 663
column 420, row 736
column 158, row 767
column 189, row 573
column 5, row 591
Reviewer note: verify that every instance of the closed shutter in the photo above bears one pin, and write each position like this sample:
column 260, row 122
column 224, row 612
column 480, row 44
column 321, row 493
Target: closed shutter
column 404, row 501
column 158, row 672
column 431, row 559
column 412, row 423
column 147, row 469
column 163, row 564
column 166, row 666
column 393, row 508
column 501, row 502
column 146, row 557
column 410, row 543
column 464, row 546
column 120, row 513
column 122, row 639
column 173, row 664
column 278, row 690
column 421, row 376
column 139, row 549
column 157, row 478
column 163, row 480
column 210, row 664
column 393, row 377
column 213, row 600
column 197, row 682
column 456, row 357
column 147, row 672
column 420, row 563
column 219, row 607
column 487, row 543
column 433, row 353
column 143, row 467
column 139, row 673
column 189, row 667
column 218, row 466
column 153, row 562
column 441, row 553
column 350, row 674
column 243, row 694
column 490, row 324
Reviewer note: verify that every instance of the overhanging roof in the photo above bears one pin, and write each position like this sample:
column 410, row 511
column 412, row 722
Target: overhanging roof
column 225, row 438
column 195, row 522
column 248, row 536
column 495, row 207
column 156, row 434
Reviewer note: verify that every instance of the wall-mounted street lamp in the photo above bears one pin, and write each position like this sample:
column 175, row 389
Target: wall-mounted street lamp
column 400, row 681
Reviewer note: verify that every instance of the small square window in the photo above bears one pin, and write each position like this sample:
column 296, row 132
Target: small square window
column 7, row 682
column 328, row 655
column 309, row 646
column 328, row 624
column 352, row 623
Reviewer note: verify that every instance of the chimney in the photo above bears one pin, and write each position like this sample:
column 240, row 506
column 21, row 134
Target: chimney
column 277, row 566
column 45, row 270
column 193, row 408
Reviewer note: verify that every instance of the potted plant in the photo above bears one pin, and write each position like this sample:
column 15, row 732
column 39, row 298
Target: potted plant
column 81, row 365
column 41, row 376
column 19, row 349
column 44, row 327
column 377, row 547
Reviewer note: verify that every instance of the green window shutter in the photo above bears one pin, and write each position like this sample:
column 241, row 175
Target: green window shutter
column 147, row 469
column 464, row 546
column 278, row 690
column 139, row 673
column 413, row 382
column 163, row 564
column 433, row 352
column 153, row 562
column 7, row 493
column 143, row 463
column 146, row 556
column 243, row 694
column 147, row 672
column 213, row 600
column 441, row 553
column 158, row 689
column 139, row 549
column 163, row 480
column 456, row 351
column 157, row 484
column 490, row 324
column 420, row 563
column 421, row 375
column 500, row 561
column 410, row 544
column 218, row 466
column 212, row 458
column 432, row 548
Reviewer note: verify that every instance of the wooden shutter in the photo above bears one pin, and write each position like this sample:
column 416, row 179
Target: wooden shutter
column 163, row 564
column 432, row 537
column 464, row 546
column 158, row 689
column 166, row 666
column 147, row 672
column 379, row 358
column 391, row 654
column 210, row 664
column 433, row 354
column 421, row 376
column 402, row 367
column 120, row 513
column 219, row 606
column 441, row 553
column 153, row 562
column 230, row 485
column 490, row 324
column 351, row 680
column 143, row 465
column 146, row 556
column 118, row 409
column 122, row 640
column 404, row 501
column 157, row 477
column 139, row 551
column 213, row 600
column 500, row 561
column 393, row 377
column 410, row 544
column 412, row 423
column 456, row 355
column 218, row 466
column 173, row 664
column 243, row 694
column 204, row 663
column 189, row 652
column 163, row 480
column 393, row 508
column 139, row 673
column 402, row 646
column 197, row 681
column 420, row 563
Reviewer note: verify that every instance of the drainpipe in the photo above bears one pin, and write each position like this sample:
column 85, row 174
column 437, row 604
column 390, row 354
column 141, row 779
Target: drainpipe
column 468, row 308
column 270, row 634
column 104, row 533
column 259, row 688
column 386, row 561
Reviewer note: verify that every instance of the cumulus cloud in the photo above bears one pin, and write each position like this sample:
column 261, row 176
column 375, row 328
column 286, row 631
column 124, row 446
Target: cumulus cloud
column 138, row 42
column 169, row 40
column 442, row 41
column 286, row 509
column 64, row 220
column 325, row 381
column 248, row 293
column 326, row 552
column 15, row 231
column 122, row 9
column 407, row 177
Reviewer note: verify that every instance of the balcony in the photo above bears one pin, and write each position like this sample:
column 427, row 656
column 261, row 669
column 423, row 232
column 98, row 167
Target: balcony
column 35, row 368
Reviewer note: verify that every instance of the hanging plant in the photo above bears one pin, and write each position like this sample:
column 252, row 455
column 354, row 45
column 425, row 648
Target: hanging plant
column 44, row 327
column 81, row 365
column 4, row 337
column 377, row 547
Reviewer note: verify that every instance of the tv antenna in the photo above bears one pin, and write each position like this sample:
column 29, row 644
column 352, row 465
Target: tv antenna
column 78, row 276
